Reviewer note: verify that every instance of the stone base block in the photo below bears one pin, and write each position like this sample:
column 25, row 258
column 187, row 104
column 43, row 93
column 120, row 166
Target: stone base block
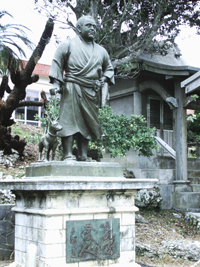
column 41, row 220
column 73, row 192
column 182, row 186
column 74, row 169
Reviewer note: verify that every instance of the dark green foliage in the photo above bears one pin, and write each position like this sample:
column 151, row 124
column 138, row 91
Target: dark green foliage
column 121, row 133
column 193, row 127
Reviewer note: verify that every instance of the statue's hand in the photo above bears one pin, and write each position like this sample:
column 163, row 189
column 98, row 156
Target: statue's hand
column 55, row 89
column 97, row 86
column 103, row 80
column 100, row 83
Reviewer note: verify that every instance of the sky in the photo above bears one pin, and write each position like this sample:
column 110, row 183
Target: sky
column 23, row 13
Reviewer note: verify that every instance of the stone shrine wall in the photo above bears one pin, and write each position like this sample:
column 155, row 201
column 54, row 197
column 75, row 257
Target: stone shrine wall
column 7, row 232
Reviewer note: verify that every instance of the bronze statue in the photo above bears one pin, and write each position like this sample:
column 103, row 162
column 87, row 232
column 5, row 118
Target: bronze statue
column 49, row 141
column 86, row 67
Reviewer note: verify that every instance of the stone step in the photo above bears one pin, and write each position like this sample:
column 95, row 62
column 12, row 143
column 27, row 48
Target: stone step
column 194, row 180
column 187, row 201
column 193, row 164
column 193, row 173
column 195, row 187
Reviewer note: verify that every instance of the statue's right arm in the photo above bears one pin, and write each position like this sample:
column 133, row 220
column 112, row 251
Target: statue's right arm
column 58, row 67
column 56, row 87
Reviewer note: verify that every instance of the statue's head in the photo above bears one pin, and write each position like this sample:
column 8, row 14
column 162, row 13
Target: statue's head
column 86, row 28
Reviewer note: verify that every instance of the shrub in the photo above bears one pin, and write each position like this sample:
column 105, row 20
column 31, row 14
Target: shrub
column 121, row 133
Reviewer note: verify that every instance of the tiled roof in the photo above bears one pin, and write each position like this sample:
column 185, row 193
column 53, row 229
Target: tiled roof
column 40, row 69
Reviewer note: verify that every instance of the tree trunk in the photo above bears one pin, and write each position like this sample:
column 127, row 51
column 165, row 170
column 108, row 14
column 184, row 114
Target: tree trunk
column 21, row 79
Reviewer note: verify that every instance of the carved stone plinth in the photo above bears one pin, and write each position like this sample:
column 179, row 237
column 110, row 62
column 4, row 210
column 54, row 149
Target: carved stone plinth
column 55, row 193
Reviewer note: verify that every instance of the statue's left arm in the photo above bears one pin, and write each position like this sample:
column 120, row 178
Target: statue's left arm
column 108, row 78
column 107, row 68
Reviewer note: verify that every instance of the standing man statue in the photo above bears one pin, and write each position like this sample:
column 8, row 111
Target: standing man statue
column 79, row 69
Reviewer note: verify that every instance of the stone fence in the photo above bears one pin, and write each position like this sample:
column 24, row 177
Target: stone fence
column 7, row 232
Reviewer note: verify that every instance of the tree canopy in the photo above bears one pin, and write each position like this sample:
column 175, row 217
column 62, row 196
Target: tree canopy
column 128, row 28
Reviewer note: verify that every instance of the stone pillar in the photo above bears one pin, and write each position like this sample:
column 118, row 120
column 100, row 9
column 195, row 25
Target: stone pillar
column 181, row 134
column 181, row 183
column 137, row 102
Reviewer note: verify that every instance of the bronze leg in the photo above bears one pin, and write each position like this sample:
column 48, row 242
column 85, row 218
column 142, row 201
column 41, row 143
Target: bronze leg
column 82, row 144
column 67, row 144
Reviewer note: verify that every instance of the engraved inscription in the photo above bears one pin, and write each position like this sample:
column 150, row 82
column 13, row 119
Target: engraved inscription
column 89, row 244
column 73, row 240
column 91, row 240
column 109, row 239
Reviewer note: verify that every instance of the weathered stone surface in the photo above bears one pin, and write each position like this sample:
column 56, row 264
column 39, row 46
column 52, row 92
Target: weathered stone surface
column 6, row 232
column 2, row 239
column 9, row 160
column 149, row 173
column 187, row 201
column 83, row 183
column 2, row 214
column 6, row 254
column 188, row 250
column 144, row 249
column 148, row 198
column 166, row 192
column 183, row 249
column 44, row 204
column 140, row 219
column 7, row 197
column 166, row 176
column 44, row 221
column 74, row 168
column 7, row 226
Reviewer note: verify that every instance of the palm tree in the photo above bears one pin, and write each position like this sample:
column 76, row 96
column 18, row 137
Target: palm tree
column 10, row 52
column 10, row 37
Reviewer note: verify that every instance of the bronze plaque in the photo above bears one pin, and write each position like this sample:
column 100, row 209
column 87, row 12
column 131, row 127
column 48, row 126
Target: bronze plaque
column 92, row 240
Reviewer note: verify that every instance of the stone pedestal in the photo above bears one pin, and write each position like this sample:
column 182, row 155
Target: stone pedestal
column 56, row 192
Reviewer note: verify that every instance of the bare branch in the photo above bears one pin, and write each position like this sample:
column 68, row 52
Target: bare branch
column 37, row 53
column 30, row 103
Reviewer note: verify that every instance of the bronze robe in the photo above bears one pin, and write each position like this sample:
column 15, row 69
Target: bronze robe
column 79, row 100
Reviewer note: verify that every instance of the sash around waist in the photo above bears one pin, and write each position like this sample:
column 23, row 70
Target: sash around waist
column 82, row 81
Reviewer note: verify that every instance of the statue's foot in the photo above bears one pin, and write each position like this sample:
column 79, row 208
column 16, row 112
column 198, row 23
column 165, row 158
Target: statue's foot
column 87, row 159
column 69, row 158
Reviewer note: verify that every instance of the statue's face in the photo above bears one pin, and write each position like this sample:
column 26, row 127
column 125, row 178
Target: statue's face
column 88, row 29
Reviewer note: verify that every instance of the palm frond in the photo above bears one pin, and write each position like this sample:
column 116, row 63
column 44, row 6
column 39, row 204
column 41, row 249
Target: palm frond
column 3, row 13
column 12, row 38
